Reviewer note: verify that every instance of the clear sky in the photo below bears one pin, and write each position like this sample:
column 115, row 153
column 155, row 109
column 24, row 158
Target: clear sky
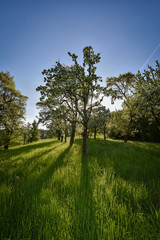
column 36, row 33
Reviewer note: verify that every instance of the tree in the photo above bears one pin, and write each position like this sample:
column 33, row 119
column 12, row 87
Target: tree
column 56, row 108
column 103, row 114
column 34, row 132
column 26, row 132
column 140, row 117
column 94, row 123
column 123, row 87
column 12, row 107
column 97, row 122
column 76, row 87
column 148, row 92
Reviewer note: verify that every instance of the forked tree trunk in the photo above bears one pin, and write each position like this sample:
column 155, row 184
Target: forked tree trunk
column 84, row 146
column 73, row 131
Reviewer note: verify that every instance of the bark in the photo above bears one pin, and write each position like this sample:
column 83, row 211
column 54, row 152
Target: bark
column 24, row 139
column 72, row 134
column 65, row 137
column 84, row 146
column 62, row 138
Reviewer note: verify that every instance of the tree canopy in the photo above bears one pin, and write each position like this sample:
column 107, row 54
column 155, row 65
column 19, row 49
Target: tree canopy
column 76, row 88
column 12, row 108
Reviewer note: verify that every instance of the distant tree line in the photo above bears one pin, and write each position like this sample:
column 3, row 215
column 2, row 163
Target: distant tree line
column 139, row 118
column 71, row 103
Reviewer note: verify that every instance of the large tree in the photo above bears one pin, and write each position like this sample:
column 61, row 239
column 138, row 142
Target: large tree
column 76, row 87
column 12, row 108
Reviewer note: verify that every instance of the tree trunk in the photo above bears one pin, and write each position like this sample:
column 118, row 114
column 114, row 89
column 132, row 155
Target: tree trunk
column 5, row 147
column 126, row 138
column 95, row 132
column 65, row 136
column 84, row 146
column 62, row 138
column 72, row 134
column 24, row 139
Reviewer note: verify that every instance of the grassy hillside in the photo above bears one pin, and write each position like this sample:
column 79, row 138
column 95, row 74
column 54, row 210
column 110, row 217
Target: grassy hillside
column 48, row 191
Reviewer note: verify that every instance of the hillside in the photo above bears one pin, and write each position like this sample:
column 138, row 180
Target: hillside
column 48, row 191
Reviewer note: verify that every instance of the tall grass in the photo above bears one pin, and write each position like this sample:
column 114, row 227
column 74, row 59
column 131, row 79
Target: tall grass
column 49, row 191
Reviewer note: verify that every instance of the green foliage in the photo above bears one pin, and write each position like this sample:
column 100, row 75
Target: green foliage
column 74, row 89
column 12, row 108
column 140, row 117
column 121, row 87
column 49, row 191
column 98, row 120
column 34, row 132
column 148, row 93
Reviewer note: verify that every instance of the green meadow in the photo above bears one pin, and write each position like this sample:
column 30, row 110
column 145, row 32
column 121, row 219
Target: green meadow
column 49, row 191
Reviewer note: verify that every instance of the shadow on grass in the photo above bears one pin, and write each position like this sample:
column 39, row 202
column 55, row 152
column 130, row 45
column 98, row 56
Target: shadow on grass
column 22, row 170
column 24, row 200
column 132, row 163
column 23, row 149
column 85, row 221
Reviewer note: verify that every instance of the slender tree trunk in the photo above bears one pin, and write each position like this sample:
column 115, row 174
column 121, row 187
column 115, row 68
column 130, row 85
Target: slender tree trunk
column 62, row 138
column 59, row 137
column 84, row 146
column 65, row 136
column 73, row 131
column 24, row 139
column 95, row 132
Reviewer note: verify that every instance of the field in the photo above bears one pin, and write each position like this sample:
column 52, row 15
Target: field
column 49, row 191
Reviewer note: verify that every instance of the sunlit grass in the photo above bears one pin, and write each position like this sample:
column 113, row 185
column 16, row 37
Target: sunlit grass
column 49, row 191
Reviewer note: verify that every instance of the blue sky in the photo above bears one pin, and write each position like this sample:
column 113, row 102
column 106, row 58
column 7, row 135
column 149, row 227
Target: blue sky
column 36, row 33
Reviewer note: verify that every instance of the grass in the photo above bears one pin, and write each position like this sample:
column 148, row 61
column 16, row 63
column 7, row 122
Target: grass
column 49, row 191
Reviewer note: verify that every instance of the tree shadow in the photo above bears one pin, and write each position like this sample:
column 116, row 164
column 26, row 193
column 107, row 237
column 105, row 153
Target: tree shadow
column 22, row 170
column 25, row 199
column 130, row 161
column 85, row 221
column 136, row 165
column 23, row 149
